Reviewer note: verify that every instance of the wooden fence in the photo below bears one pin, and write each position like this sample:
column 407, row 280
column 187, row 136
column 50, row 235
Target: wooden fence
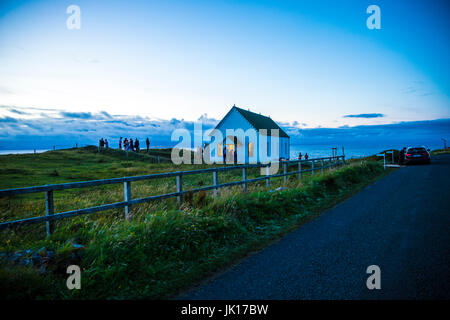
column 50, row 217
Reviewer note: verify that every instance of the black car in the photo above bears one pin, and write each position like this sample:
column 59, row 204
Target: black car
column 417, row 155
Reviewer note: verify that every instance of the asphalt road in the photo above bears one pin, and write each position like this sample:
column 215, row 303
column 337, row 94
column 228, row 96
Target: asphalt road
column 400, row 223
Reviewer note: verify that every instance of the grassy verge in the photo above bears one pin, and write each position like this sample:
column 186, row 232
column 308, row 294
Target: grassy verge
column 164, row 249
column 440, row 151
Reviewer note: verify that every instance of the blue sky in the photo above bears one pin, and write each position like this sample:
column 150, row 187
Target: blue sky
column 307, row 64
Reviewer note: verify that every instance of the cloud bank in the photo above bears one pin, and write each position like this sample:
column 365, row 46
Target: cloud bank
column 36, row 128
column 365, row 115
column 44, row 128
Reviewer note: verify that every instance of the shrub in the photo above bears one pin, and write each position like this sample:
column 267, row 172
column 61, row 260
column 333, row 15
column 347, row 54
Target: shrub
column 54, row 173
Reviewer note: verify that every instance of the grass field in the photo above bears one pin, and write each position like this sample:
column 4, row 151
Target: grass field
column 164, row 248
column 440, row 151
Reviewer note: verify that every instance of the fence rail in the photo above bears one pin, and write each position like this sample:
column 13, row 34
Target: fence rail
column 51, row 216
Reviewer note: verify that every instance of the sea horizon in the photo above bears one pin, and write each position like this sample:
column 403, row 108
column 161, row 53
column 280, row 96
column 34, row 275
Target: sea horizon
column 314, row 151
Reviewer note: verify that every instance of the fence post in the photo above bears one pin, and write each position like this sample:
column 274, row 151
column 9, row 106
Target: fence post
column 321, row 169
column 268, row 177
column 285, row 172
column 127, row 197
column 312, row 167
column 299, row 170
column 392, row 155
column 244, row 177
column 179, row 189
column 50, row 225
column 215, row 182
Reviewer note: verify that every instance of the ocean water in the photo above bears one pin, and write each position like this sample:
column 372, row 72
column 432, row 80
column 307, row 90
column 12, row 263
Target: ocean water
column 22, row 151
column 319, row 151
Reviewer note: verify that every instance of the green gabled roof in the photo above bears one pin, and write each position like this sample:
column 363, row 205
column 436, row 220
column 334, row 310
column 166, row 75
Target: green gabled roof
column 261, row 122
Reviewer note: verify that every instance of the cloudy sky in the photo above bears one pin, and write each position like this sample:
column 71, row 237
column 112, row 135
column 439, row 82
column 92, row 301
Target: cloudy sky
column 146, row 67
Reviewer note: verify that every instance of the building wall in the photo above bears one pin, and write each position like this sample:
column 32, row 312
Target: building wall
column 284, row 147
column 236, row 121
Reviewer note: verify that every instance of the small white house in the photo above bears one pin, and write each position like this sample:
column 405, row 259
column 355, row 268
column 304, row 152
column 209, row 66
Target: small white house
column 253, row 137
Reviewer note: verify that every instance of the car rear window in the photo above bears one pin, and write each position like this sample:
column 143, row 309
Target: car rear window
column 416, row 150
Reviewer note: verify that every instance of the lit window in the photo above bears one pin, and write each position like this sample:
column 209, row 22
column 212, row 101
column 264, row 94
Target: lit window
column 250, row 149
column 219, row 149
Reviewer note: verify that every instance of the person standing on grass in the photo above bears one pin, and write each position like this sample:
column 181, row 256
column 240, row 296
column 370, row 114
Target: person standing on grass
column 235, row 156
column 299, row 156
column 306, row 156
column 136, row 145
column 120, row 143
column 148, row 144
column 106, row 144
column 131, row 144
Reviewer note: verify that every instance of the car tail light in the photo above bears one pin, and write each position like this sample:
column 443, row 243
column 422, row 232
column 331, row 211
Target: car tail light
column 408, row 155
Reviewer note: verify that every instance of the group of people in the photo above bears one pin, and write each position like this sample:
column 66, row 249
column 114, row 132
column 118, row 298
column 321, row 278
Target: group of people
column 130, row 145
column 102, row 143
column 125, row 144
column 300, row 156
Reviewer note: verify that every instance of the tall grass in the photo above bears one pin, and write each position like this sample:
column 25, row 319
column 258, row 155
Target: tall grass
column 164, row 248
